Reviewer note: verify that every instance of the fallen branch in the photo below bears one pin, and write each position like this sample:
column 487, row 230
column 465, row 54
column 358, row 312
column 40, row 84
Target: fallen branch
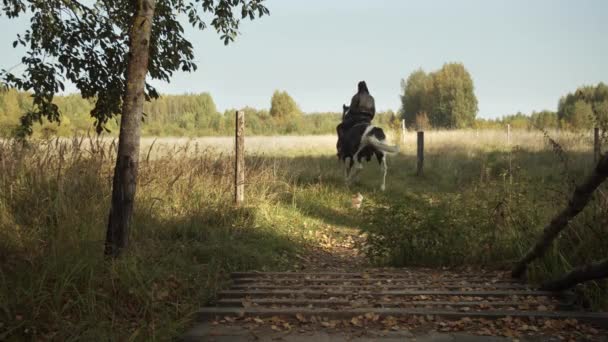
column 580, row 198
column 578, row 275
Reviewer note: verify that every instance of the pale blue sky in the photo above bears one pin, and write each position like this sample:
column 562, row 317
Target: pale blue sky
column 522, row 55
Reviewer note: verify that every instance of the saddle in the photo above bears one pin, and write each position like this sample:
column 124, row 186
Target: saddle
column 347, row 124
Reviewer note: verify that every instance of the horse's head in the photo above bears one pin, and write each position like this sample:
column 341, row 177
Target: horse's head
column 345, row 109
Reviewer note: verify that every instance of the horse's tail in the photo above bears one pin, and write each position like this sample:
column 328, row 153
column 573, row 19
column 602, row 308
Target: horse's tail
column 382, row 146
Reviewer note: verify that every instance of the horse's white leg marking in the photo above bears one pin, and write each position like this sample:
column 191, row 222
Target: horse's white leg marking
column 384, row 168
column 358, row 164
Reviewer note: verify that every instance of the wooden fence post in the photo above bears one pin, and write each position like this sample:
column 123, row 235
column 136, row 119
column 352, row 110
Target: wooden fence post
column 420, row 153
column 508, row 134
column 403, row 131
column 596, row 145
column 239, row 157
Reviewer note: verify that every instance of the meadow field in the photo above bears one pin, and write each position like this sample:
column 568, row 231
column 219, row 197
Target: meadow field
column 481, row 202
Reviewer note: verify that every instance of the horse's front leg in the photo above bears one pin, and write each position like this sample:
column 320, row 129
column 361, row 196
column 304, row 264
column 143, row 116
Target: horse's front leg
column 384, row 168
column 354, row 173
column 347, row 166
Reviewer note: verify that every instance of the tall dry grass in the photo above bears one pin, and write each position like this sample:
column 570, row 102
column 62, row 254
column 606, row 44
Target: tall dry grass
column 494, row 140
column 186, row 237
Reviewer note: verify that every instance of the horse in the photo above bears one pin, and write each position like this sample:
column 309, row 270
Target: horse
column 363, row 141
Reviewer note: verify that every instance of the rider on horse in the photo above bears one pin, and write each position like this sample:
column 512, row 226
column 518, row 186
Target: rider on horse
column 362, row 110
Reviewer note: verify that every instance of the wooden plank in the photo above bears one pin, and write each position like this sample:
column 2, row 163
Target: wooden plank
column 207, row 313
column 372, row 286
column 365, row 275
column 238, row 302
column 405, row 281
column 381, row 293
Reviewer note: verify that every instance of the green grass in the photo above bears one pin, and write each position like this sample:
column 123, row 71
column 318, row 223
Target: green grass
column 187, row 236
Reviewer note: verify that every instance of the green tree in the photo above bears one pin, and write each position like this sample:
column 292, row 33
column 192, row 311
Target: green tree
column 205, row 110
column 454, row 100
column 601, row 113
column 422, row 122
column 283, row 106
column 10, row 111
column 517, row 121
column 285, row 112
column 416, row 96
column 581, row 116
column 107, row 48
column 447, row 96
column 544, row 120
column 585, row 107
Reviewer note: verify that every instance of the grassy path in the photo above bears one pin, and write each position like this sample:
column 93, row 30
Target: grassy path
column 439, row 304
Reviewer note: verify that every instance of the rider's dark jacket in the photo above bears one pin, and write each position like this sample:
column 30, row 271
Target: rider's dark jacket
column 363, row 105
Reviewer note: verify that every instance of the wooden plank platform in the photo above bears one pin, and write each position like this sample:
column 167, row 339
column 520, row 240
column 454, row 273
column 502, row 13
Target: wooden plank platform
column 404, row 281
column 372, row 286
column 270, row 302
column 219, row 312
column 367, row 275
column 347, row 294
column 377, row 293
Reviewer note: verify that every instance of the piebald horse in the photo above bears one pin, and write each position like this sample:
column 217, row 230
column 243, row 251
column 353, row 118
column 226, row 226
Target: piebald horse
column 363, row 141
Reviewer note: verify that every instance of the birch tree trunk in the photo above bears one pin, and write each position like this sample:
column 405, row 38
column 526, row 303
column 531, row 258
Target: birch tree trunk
column 125, row 172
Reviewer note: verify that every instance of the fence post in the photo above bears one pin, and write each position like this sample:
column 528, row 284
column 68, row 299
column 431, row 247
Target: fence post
column 403, row 130
column 508, row 134
column 420, row 153
column 239, row 157
column 596, row 144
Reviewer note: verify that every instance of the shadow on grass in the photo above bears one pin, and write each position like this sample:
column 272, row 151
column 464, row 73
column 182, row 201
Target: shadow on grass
column 174, row 264
column 467, row 207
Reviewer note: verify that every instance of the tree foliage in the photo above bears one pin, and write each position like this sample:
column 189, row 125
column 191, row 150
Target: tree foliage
column 585, row 108
column 171, row 115
column 284, row 111
column 86, row 43
column 545, row 119
column 447, row 96
column 416, row 96
column 283, row 106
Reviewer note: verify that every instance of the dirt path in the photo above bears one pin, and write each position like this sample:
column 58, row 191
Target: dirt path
column 336, row 249
column 334, row 295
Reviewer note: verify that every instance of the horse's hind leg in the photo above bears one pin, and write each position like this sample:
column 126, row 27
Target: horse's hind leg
column 355, row 173
column 356, row 158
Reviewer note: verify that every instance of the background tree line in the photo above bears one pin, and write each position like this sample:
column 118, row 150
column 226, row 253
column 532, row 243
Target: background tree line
column 545, row 119
column 583, row 109
column 197, row 114
column 179, row 115
column 446, row 99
